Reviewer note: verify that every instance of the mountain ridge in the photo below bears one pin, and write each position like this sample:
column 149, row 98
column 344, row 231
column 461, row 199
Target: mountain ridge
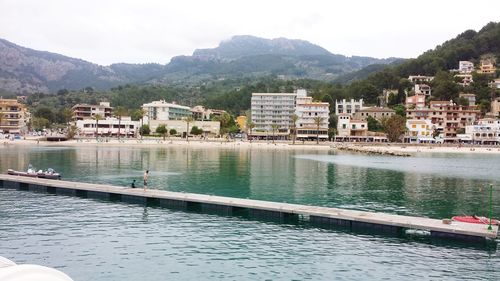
column 24, row 70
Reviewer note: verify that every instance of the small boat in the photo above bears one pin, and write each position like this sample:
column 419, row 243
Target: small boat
column 32, row 173
column 475, row 219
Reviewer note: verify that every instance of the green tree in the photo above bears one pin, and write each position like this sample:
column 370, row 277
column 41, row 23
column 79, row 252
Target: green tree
column 188, row 120
column 400, row 110
column 317, row 121
column 97, row 117
column 196, row 131
column 144, row 130
column 162, row 130
column 119, row 112
column 173, row 132
column 274, row 128
column 72, row 130
column 373, row 124
column 250, row 126
column 295, row 117
column 46, row 113
column 394, row 127
column 39, row 123
column 444, row 87
column 140, row 114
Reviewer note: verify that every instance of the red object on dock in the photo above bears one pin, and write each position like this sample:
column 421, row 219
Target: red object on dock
column 475, row 219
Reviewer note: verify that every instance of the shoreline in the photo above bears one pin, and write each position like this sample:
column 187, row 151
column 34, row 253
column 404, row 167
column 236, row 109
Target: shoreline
column 385, row 148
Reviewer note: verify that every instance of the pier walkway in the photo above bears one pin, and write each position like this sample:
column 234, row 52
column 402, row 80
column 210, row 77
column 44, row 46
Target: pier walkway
column 232, row 206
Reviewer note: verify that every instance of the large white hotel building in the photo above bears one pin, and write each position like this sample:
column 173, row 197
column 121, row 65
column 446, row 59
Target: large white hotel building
column 278, row 108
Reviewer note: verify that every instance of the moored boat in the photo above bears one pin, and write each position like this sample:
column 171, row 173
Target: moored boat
column 475, row 219
column 32, row 173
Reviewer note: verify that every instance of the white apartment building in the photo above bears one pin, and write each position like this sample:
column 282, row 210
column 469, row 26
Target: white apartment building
column 465, row 67
column 87, row 111
column 486, row 131
column 210, row 128
column 269, row 109
column 419, row 79
column 163, row 111
column 419, row 131
column 348, row 106
column 346, row 126
column 108, row 127
column 308, row 112
column 423, row 89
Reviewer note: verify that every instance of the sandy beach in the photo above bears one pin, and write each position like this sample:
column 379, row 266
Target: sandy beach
column 281, row 145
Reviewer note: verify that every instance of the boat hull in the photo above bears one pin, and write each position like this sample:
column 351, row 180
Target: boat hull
column 52, row 176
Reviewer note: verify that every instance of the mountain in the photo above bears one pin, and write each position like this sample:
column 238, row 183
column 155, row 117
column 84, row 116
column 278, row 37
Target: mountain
column 24, row 71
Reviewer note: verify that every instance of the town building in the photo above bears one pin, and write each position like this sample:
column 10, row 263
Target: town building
column 487, row 67
column 241, row 121
column 383, row 99
column 495, row 84
column 415, row 101
column 495, row 107
column 309, row 112
column 465, row 79
column 348, row 106
column 419, row 131
column 449, row 118
column 471, row 98
column 423, row 89
column 109, row 127
column 485, row 131
column 375, row 112
column 348, row 126
column 201, row 113
column 465, row 67
column 14, row 116
column 419, row 79
column 87, row 111
column 272, row 109
column 210, row 128
column 163, row 111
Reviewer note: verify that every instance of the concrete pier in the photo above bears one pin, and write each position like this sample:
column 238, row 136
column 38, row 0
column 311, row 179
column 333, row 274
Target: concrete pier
column 350, row 219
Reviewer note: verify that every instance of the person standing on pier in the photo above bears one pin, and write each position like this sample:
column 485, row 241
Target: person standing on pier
column 146, row 175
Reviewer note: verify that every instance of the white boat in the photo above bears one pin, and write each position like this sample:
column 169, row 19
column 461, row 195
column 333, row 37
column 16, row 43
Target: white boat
column 31, row 172
column 10, row 271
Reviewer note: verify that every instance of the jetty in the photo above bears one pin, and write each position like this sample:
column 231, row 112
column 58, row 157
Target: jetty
column 335, row 217
column 371, row 150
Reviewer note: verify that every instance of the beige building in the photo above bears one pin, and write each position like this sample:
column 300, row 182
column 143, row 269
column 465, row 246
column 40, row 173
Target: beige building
column 447, row 117
column 14, row 116
column 210, row 128
column 487, row 68
column 308, row 112
column 108, row 127
column 495, row 107
column 201, row 113
column 375, row 112
column 87, row 111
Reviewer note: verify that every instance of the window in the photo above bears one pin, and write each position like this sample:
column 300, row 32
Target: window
column 344, row 126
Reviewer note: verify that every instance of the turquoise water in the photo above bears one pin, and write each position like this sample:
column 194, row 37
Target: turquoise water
column 95, row 240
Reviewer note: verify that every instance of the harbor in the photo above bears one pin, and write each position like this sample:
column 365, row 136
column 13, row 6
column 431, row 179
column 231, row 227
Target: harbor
column 389, row 223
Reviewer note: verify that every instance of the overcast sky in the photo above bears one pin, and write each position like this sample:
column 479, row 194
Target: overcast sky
column 109, row 31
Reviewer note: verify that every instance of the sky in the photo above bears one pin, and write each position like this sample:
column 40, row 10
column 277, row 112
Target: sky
column 113, row 31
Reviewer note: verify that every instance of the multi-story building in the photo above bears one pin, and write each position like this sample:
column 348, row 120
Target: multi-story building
column 309, row 112
column 13, row 116
column 447, row 117
column 419, row 131
column 163, row 111
column 486, row 131
column 348, row 106
column 466, row 79
column 375, row 112
column 201, row 113
column 110, row 127
column 209, row 128
column 272, row 109
column 419, row 79
column 495, row 107
column 347, row 126
column 87, row 111
column 416, row 101
column 465, row 67
column 423, row 89
column 487, row 67
column 471, row 98
column 383, row 99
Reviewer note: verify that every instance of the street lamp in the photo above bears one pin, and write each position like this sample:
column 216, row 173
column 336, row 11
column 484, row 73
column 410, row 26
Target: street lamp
column 491, row 195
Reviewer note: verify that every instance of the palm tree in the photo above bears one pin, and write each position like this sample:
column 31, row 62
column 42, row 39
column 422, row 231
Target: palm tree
column 188, row 119
column 250, row 126
column 140, row 113
column 119, row 112
column 1, row 118
column 97, row 117
column 275, row 128
column 295, row 117
column 317, row 121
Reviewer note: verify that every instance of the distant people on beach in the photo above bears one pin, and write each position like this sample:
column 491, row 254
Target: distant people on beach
column 133, row 184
